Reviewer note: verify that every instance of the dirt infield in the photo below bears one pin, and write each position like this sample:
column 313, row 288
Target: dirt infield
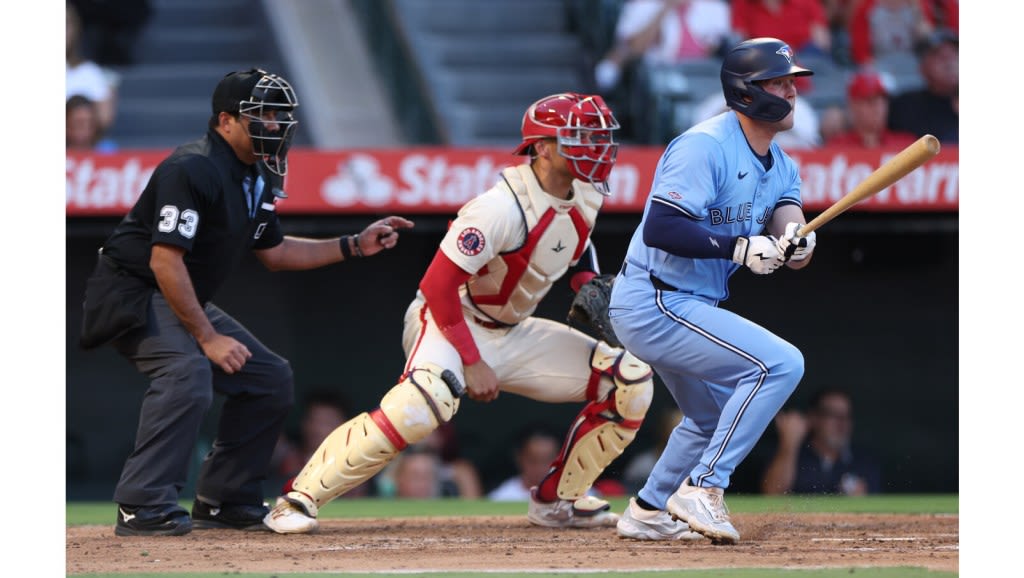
column 509, row 543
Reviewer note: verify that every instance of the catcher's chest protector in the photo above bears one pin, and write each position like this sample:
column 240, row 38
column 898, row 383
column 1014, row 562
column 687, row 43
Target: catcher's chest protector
column 511, row 286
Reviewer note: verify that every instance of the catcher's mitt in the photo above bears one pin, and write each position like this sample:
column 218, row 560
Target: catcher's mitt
column 589, row 310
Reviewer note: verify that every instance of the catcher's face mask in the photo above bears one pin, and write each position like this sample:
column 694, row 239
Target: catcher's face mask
column 587, row 140
column 583, row 126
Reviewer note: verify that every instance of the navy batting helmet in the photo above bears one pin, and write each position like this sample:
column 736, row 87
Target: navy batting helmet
column 751, row 61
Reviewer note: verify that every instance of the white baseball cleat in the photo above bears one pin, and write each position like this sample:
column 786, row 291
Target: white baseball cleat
column 705, row 511
column 586, row 512
column 640, row 524
column 289, row 517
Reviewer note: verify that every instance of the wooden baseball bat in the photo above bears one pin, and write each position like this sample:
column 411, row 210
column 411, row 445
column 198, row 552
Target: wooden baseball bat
column 893, row 170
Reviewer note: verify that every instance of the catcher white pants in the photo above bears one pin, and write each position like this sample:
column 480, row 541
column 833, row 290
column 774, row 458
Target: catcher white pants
column 538, row 358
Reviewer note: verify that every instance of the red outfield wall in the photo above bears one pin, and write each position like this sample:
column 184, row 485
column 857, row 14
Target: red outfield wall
column 439, row 180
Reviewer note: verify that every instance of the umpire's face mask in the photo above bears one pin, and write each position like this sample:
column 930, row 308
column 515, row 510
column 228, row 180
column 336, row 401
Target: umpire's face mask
column 271, row 121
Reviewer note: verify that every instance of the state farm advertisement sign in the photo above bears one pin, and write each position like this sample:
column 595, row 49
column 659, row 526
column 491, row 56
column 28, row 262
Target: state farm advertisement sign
column 439, row 180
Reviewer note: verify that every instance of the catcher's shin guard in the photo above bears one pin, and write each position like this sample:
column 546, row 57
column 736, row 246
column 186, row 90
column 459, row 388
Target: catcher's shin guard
column 359, row 448
column 606, row 425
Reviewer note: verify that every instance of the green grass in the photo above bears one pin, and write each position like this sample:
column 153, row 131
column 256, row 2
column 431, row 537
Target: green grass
column 88, row 513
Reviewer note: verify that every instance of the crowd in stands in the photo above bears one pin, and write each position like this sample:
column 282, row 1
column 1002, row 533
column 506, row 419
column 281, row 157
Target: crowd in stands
column 100, row 37
column 815, row 452
column 812, row 452
column 910, row 46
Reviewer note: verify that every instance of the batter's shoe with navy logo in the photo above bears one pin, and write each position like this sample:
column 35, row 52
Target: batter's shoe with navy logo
column 247, row 517
column 705, row 511
column 586, row 512
column 640, row 524
column 164, row 520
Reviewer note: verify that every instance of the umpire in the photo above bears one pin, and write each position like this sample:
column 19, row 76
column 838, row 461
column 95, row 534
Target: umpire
column 204, row 207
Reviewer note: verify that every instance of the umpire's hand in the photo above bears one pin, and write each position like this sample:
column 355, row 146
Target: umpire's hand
column 382, row 234
column 226, row 352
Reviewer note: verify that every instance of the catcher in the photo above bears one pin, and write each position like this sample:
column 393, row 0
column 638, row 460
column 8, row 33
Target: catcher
column 470, row 328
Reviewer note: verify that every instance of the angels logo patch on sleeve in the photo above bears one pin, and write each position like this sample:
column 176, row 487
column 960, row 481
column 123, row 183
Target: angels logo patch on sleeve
column 471, row 241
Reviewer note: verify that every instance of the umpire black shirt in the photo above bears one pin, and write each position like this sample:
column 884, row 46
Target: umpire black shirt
column 195, row 200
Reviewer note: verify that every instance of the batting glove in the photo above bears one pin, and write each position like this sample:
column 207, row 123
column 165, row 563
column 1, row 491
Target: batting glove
column 794, row 247
column 760, row 254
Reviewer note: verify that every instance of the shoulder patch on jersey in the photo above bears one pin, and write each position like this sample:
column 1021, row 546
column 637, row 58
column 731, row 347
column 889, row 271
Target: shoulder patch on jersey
column 471, row 241
column 674, row 195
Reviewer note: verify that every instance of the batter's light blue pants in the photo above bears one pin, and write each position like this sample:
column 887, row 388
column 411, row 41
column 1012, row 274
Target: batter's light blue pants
column 728, row 375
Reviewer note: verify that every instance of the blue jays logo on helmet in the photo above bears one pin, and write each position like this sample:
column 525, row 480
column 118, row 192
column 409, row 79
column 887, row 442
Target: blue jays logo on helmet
column 753, row 61
column 784, row 50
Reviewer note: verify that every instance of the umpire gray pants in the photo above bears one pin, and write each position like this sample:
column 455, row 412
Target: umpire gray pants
column 182, row 383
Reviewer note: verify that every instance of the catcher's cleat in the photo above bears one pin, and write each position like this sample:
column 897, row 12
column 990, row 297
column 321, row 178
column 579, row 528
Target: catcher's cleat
column 586, row 512
column 640, row 524
column 290, row 517
column 705, row 511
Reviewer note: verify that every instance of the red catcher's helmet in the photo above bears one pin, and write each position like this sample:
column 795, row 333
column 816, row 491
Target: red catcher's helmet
column 582, row 125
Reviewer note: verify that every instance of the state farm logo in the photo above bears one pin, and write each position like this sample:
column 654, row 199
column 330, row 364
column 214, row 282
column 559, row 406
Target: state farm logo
column 936, row 183
column 415, row 180
column 91, row 187
column 421, row 180
column 358, row 180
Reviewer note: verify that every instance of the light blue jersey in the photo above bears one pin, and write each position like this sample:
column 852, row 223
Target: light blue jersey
column 728, row 375
column 710, row 174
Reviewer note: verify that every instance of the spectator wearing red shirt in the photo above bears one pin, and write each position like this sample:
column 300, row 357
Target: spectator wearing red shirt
column 884, row 28
column 868, row 113
column 800, row 23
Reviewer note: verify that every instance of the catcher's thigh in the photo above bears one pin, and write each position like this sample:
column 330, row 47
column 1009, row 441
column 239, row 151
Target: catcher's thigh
column 606, row 425
column 359, row 448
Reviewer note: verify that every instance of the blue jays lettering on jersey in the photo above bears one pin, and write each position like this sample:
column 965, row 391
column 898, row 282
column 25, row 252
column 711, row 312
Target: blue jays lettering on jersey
column 710, row 174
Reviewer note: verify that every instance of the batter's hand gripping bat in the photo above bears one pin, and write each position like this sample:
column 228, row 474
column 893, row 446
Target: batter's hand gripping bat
column 893, row 170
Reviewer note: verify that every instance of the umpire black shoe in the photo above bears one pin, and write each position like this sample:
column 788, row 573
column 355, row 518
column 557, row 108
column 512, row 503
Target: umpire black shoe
column 164, row 520
column 246, row 517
